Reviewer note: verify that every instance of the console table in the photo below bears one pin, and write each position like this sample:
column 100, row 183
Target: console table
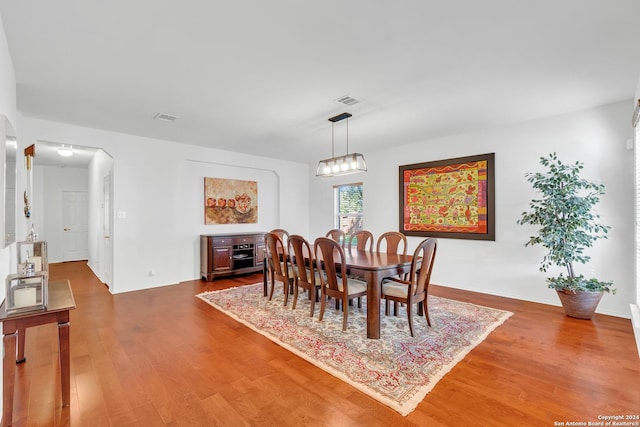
column 228, row 254
column 14, row 326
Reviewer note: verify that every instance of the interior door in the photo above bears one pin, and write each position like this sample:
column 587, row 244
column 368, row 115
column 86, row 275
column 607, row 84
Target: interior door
column 75, row 239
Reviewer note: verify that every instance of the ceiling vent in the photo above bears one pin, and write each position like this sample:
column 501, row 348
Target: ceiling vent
column 165, row 117
column 347, row 100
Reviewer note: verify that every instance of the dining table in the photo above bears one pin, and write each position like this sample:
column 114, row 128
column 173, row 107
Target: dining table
column 374, row 267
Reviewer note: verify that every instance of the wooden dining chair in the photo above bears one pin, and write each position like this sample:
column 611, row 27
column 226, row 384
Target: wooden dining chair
column 363, row 241
column 337, row 235
column 334, row 280
column 416, row 289
column 279, row 265
column 283, row 234
column 305, row 271
column 392, row 242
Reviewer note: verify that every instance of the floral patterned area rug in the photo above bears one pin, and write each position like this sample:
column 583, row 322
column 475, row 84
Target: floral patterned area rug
column 396, row 370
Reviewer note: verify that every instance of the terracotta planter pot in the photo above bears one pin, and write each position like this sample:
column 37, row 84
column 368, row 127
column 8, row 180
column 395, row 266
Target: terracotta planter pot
column 580, row 305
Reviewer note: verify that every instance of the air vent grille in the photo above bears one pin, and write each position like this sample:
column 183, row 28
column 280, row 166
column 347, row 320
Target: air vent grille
column 347, row 100
column 165, row 117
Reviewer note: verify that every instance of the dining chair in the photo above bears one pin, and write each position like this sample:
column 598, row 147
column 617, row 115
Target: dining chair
column 284, row 236
column 392, row 242
column 363, row 241
column 305, row 271
column 416, row 289
column 337, row 235
column 282, row 233
column 334, row 280
column 279, row 265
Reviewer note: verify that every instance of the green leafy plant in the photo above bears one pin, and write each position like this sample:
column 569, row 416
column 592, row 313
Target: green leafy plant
column 568, row 224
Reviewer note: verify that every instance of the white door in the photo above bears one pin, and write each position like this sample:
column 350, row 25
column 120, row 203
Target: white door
column 75, row 239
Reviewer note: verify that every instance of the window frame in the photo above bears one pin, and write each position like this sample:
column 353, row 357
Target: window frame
column 356, row 217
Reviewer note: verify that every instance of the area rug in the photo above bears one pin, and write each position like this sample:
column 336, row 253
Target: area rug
column 397, row 370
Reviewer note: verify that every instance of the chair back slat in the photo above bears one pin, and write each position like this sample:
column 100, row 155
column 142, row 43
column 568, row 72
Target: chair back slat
column 364, row 240
column 337, row 235
column 302, row 259
column 283, row 234
column 422, row 265
column 276, row 254
column 392, row 241
column 328, row 253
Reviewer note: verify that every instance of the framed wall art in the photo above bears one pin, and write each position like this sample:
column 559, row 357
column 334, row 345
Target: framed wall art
column 230, row 201
column 452, row 198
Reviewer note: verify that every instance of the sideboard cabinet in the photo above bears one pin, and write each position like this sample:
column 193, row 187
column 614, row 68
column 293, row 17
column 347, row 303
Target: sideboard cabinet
column 228, row 254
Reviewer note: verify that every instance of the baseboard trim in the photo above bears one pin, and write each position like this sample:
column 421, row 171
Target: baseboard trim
column 635, row 323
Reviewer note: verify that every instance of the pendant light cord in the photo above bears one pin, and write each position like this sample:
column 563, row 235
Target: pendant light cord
column 333, row 150
column 347, row 135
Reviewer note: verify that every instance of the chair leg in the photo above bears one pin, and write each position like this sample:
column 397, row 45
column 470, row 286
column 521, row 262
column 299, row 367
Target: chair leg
column 410, row 318
column 286, row 292
column 312, row 297
column 359, row 302
column 295, row 298
column 425, row 308
column 323, row 305
column 395, row 308
column 386, row 306
column 345, row 314
column 273, row 285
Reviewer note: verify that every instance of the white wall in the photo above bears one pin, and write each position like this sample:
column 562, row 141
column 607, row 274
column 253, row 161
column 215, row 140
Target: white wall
column 8, row 110
column 159, row 186
column 7, row 80
column 100, row 247
column 505, row 267
column 635, row 307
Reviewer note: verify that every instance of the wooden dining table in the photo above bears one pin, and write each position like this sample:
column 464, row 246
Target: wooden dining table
column 373, row 267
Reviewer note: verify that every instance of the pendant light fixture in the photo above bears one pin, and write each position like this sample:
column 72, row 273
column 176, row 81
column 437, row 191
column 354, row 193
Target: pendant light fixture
column 341, row 165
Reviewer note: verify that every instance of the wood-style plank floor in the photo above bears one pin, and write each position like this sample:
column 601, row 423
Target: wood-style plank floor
column 161, row 357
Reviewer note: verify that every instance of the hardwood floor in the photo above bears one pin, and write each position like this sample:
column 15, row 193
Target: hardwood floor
column 161, row 357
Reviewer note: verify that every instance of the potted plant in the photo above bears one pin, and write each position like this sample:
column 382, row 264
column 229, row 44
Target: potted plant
column 568, row 225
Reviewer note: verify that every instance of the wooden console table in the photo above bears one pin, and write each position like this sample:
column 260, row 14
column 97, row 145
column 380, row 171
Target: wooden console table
column 14, row 328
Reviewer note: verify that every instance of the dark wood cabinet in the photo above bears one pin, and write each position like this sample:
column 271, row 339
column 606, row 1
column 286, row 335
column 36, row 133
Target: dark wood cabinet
column 227, row 254
column 222, row 257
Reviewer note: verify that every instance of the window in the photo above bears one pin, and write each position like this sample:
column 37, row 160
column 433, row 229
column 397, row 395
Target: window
column 348, row 207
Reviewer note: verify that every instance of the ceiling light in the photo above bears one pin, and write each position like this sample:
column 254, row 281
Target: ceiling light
column 65, row 150
column 341, row 165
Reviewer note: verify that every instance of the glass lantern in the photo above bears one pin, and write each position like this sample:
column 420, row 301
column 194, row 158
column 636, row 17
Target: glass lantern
column 32, row 257
column 26, row 292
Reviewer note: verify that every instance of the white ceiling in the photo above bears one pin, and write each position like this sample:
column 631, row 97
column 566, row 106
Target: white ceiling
column 262, row 76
